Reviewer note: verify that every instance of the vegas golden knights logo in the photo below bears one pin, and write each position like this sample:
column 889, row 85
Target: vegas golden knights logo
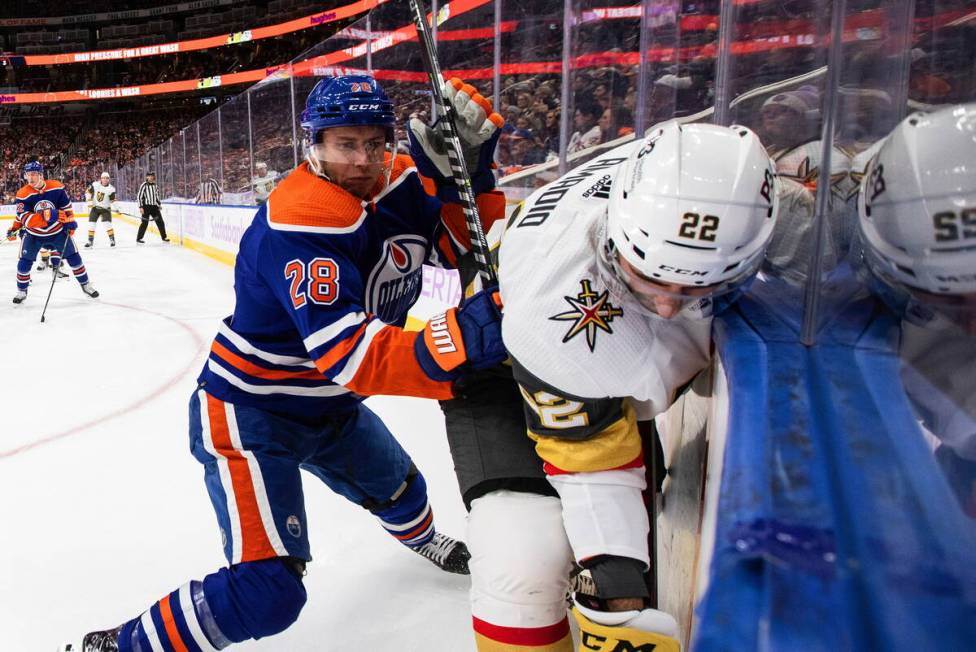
column 591, row 311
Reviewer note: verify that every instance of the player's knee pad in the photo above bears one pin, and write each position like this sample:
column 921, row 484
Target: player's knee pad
column 256, row 598
column 520, row 559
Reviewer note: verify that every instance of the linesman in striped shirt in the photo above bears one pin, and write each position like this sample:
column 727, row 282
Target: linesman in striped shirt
column 149, row 207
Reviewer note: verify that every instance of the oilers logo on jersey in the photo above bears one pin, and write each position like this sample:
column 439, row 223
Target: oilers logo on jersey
column 44, row 207
column 591, row 311
column 394, row 283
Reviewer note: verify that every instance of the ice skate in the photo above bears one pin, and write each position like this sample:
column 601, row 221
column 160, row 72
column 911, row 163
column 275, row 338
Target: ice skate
column 106, row 641
column 44, row 264
column 446, row 553
column 20, row 296
column 111, row 242
column 89, row 244
column 89, row 290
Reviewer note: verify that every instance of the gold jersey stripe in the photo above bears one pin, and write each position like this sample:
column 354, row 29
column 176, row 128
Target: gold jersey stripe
column 612, row 447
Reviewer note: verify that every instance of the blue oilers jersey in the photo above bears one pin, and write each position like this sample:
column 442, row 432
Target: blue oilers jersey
column 33, row 208
column 323, row 284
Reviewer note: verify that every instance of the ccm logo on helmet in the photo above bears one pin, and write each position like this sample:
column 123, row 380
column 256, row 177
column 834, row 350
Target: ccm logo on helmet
column 956, row 278
column 683, row 272
column 363, row 107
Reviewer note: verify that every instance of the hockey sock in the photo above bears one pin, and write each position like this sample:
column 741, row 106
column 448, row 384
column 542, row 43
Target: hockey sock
column 23, row 274
column 246, row 601
column 491, row 638
column 408, row 517
column 110, row 232
column 78, row 267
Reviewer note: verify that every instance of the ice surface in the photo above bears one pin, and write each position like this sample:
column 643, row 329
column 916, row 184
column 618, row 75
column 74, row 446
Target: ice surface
column 102, row 508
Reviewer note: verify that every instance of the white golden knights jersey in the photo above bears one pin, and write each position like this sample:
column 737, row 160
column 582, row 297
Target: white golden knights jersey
column 99, row 195
column 589, row 360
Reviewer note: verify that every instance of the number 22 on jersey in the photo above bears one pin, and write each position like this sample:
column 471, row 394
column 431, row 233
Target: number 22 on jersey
column 322, row 276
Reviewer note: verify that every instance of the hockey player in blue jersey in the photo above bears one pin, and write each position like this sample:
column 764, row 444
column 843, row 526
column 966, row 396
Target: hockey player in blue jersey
column 323, row 280
column 44, row 212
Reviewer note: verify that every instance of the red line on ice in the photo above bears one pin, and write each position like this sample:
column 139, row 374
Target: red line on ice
column 167, row 384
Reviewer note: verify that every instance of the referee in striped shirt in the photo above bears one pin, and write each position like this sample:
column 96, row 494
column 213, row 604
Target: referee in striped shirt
column 149, row 206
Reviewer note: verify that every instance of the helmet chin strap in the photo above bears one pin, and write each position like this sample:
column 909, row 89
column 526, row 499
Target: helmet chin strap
column 317, row 167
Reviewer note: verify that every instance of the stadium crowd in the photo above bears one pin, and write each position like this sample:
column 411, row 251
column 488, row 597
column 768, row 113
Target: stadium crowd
column 86, row 144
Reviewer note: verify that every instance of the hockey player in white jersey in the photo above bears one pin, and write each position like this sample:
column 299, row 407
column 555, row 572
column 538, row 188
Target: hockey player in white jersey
column 263, row 182
column 917, row 223
column 608, row 277
column 101, row 202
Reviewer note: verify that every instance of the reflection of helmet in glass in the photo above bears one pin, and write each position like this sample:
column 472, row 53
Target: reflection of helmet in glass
column 805, row 101
column 917, row 211
column 693, row 207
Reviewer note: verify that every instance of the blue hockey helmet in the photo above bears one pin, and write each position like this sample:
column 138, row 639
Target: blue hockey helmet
column 34, row 166
column 346, row 101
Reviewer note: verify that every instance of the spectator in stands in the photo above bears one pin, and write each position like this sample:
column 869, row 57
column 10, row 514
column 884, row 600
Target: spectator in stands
column 615, row 122
column 525, row 150
column 587, row 132
column 550, row 131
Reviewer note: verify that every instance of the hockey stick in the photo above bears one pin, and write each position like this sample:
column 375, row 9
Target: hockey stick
column 448, row 127
column 54, row 280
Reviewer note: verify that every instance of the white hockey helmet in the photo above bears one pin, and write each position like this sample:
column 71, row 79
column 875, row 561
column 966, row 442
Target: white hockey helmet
column 690, row 214
column 917, row 213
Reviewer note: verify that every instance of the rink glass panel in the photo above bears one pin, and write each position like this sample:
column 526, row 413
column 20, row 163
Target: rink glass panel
column 235, row 151
column 193, row 165
column 179, row 164
column 271, row 124
column 531, row 47
column 210, row 164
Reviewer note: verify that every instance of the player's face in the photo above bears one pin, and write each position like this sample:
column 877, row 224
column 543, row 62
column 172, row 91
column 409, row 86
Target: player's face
column 105, row 179
column 354, row 158
column 664, row 299
column 35, row 179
